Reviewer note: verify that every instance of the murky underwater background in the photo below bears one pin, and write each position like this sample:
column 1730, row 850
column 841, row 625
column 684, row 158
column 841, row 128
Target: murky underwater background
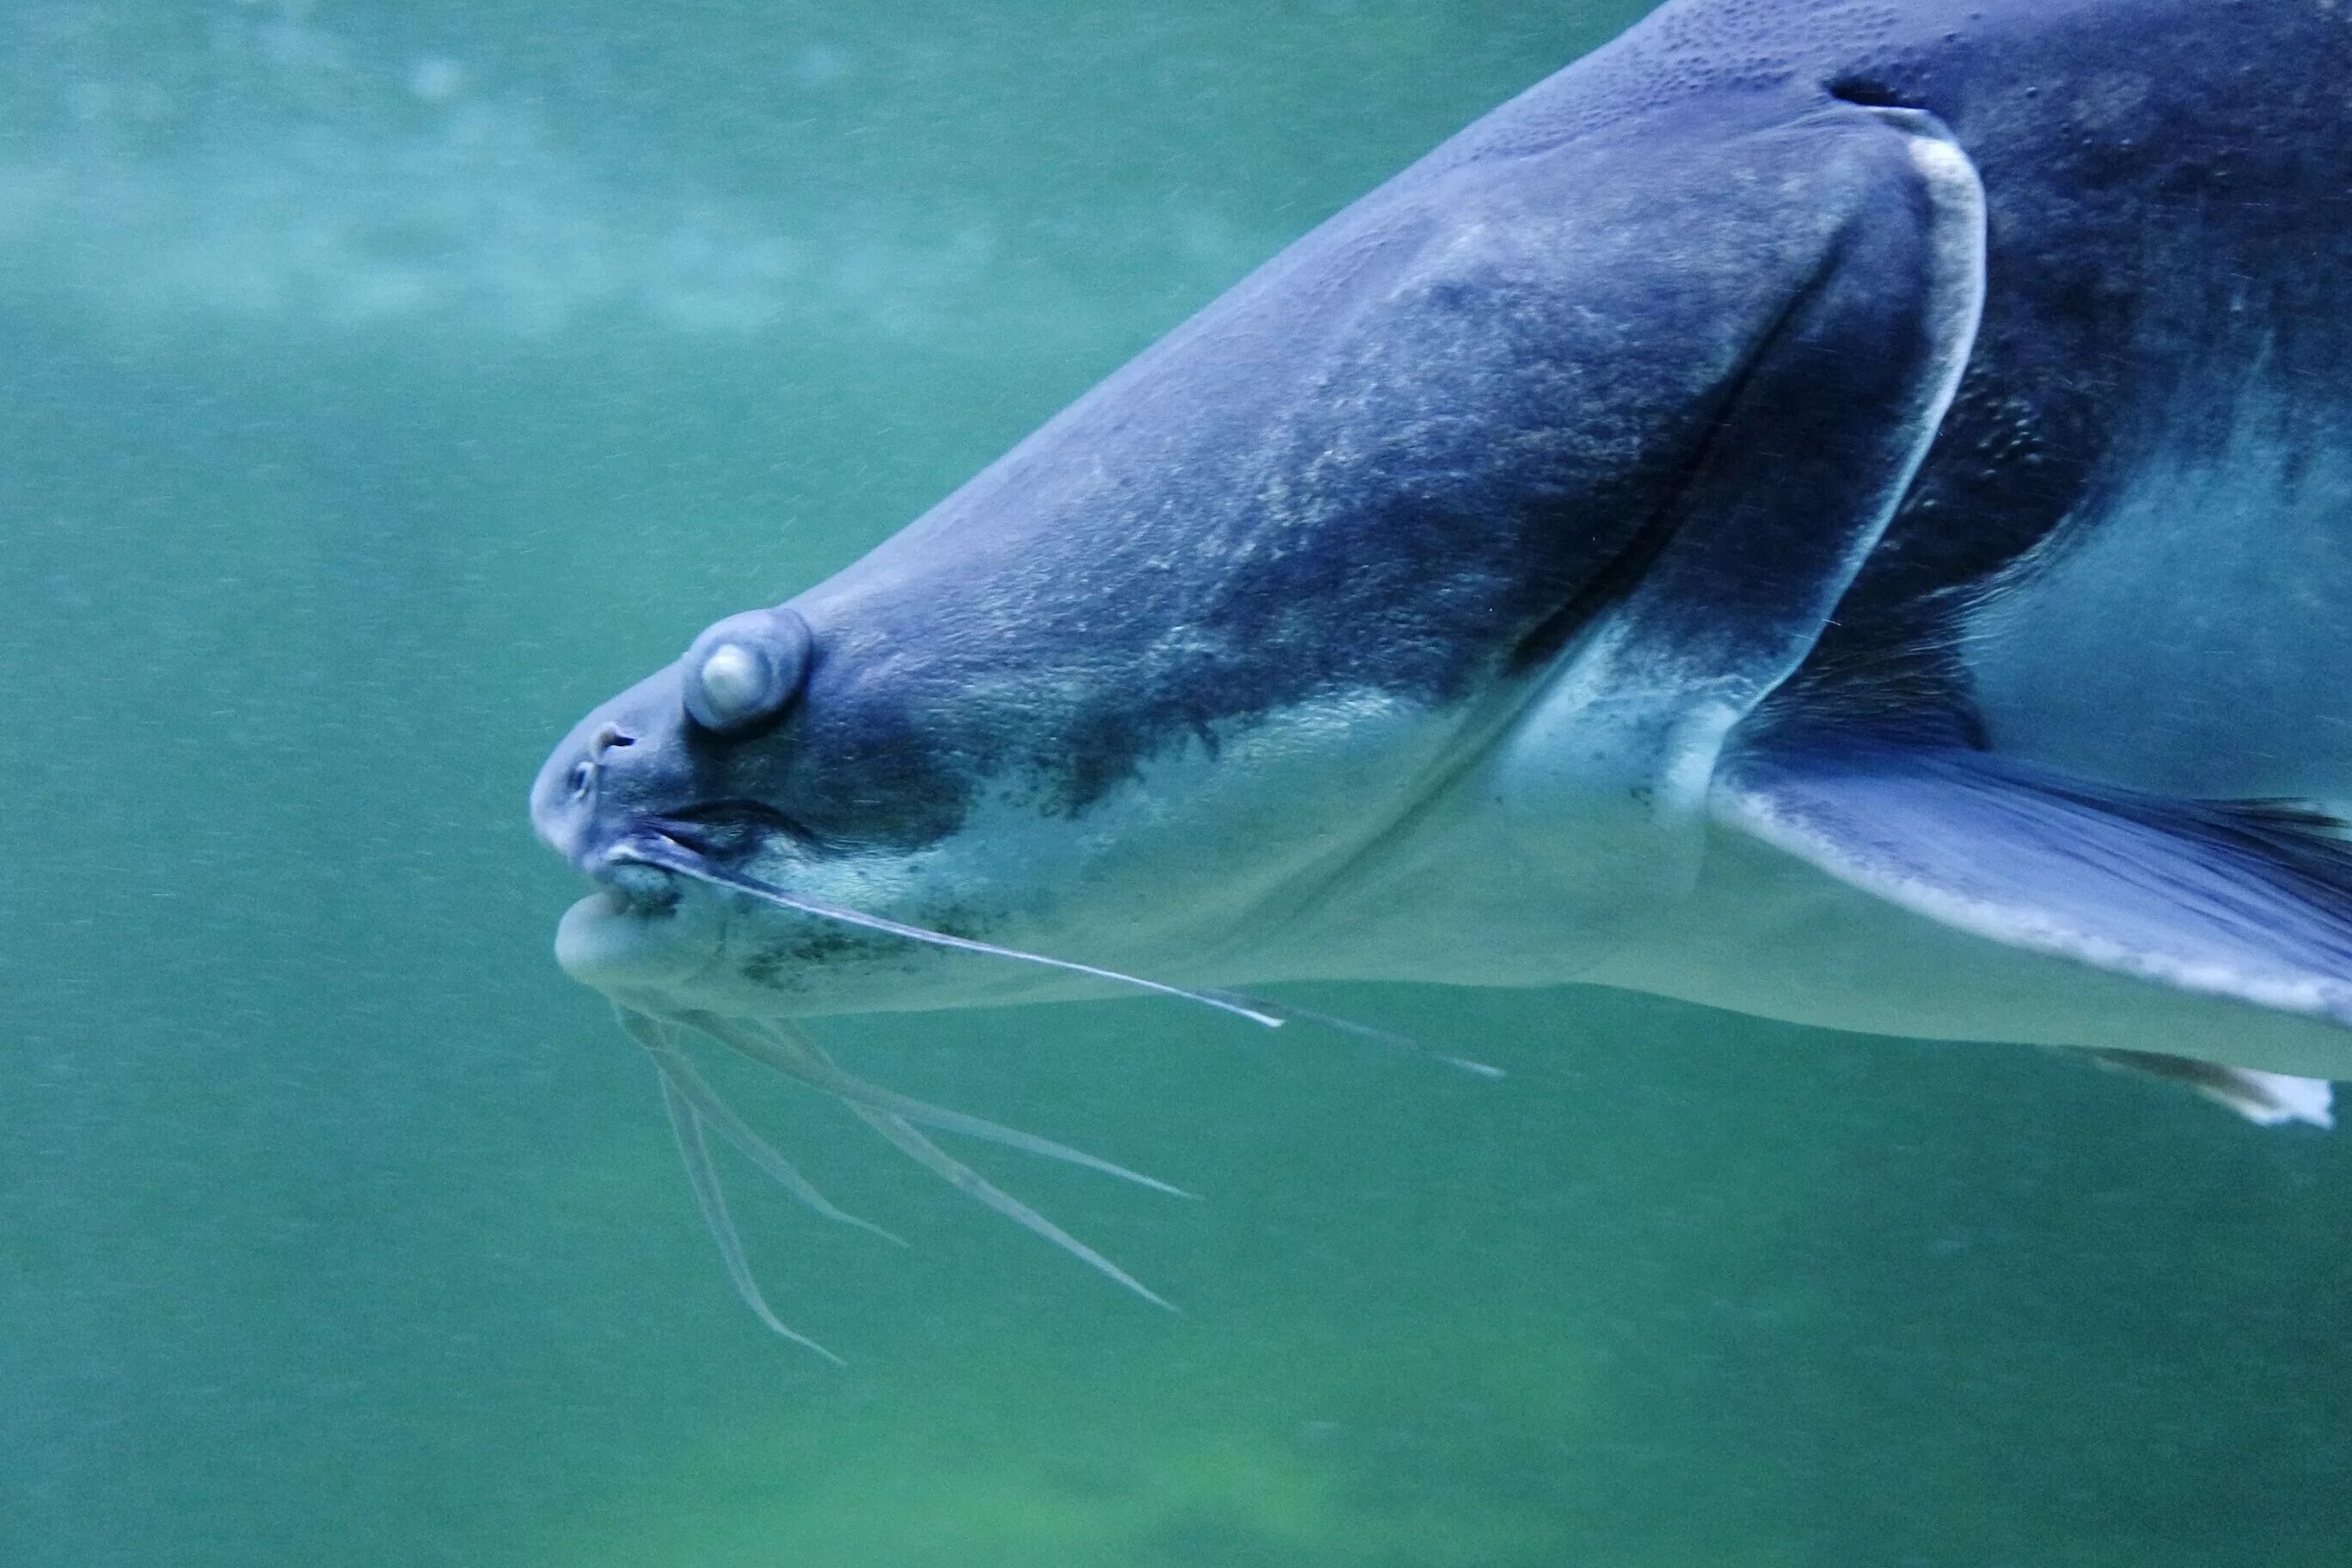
column 382, row 386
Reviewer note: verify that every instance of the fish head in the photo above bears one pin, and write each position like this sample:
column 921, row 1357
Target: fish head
column 1384, row 619
column 920, row 749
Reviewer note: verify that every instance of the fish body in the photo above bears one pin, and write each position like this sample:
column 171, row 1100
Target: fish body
column 1841, row 512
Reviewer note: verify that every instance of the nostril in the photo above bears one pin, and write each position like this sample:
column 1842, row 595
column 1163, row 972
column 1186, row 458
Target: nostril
column 612, row 737
column 583, row 775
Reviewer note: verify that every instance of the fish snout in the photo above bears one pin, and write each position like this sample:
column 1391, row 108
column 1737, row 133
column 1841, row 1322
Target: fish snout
column 595, row 784
column 672, row 741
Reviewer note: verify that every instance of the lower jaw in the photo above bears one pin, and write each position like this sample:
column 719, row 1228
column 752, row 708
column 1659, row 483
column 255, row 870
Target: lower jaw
column 607, row 942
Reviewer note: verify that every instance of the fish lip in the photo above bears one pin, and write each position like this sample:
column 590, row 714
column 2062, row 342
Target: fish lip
column 635, row 887
column 646, row 891
column 639, row 932
column 721, row 835
column 729, row 832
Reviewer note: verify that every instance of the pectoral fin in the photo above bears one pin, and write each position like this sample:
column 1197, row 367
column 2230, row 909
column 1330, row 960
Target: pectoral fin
column 2265, row 1099
column 2247, row 901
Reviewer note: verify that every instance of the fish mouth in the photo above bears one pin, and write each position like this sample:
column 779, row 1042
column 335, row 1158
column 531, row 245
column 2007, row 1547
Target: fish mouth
column 633, row 930
column 640, row 927
column 722, row 833
column 634, row 871
column 632, row 888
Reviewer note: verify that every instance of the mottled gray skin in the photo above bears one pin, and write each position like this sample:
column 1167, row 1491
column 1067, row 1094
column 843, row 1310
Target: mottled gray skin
column 1666, row 322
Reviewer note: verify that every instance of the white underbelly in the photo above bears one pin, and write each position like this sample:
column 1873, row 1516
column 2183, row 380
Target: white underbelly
column 1767, row 935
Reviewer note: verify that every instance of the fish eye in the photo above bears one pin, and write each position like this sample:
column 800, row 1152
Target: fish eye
column 734, row 681
column 744, row 671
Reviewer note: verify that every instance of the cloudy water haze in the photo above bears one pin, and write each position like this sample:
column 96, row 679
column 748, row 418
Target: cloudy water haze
column 384, row 385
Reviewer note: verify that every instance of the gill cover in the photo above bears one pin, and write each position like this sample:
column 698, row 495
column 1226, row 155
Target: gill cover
column 1605, row 778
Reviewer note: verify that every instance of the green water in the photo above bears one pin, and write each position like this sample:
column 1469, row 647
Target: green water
column 380, row 387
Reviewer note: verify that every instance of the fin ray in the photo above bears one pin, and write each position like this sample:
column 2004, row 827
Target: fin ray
column 2246, row 902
